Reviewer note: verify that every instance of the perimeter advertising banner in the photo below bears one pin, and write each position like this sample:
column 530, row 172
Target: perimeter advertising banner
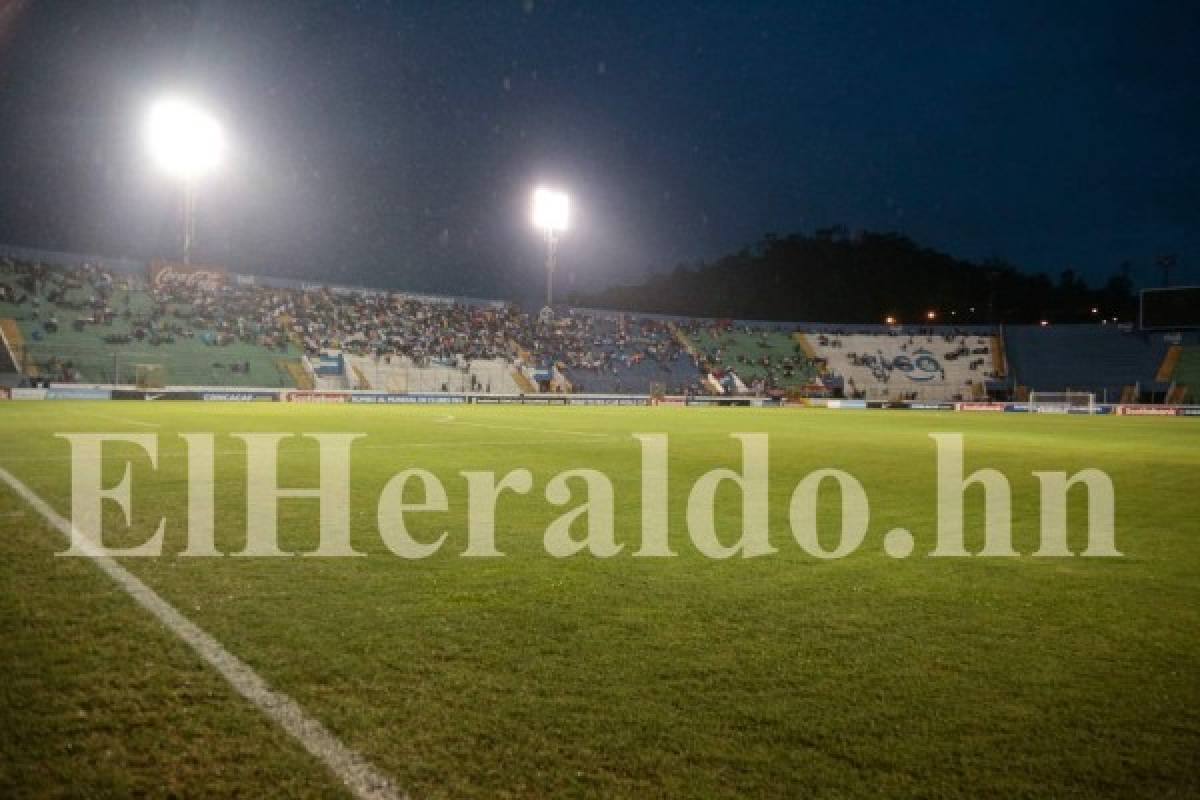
column 406, row 399
column 846, row 404
column 982, row 407
column 720, row 400
column 78, row 393
column 318, row 397
column 522, row 399
column 240, row 397
column 149, row 394
column 1147, row 411
column 231, row 396
column 610, row 401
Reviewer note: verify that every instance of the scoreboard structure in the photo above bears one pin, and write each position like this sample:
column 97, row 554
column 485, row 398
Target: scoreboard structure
column 1172, row 308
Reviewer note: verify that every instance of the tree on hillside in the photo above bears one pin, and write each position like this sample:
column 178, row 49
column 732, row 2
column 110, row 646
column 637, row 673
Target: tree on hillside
column 833, row 276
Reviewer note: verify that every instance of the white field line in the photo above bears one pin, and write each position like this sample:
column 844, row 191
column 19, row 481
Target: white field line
column 543, row 429
column 448, row 418
column 358, row 774
column 122, row 420
column 396, row 447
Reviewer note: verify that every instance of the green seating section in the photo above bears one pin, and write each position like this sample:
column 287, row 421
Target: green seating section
column 1187, row 372
column 744, row 353
column 186, row 361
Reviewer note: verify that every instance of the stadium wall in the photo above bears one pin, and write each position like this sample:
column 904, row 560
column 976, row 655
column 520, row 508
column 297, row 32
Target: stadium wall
column 237, row 394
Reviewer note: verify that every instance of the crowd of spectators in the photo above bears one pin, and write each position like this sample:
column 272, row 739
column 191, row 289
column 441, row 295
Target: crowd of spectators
column 725, row 349
column 383, row 325
column 924, row 351
column 608, row 349
column 590, row 345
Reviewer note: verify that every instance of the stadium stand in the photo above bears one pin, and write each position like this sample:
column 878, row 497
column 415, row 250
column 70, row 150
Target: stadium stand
column 10, row 335
column 612, row 352
column 401, row 374
column 90, row 324
column 930, row 365
column 86, row 325
column 10, row 373
column 761, row 357
column 1166, row 371
column 999, row 359
column 1187, row 373
column 1092, row 358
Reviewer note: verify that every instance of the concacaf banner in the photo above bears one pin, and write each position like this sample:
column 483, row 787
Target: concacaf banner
column 202, row 277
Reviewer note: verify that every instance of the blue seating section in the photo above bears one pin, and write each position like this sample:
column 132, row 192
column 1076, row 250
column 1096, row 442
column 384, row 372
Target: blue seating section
column 637, row 378
column 1090, row 358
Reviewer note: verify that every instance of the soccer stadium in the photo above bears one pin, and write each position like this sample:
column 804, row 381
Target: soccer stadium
column 77, row 328
column 831, row 515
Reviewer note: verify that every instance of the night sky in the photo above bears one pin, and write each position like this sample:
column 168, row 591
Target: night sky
column 397, row 144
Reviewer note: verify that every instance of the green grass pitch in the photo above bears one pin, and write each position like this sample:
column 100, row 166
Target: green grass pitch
column 528, row 676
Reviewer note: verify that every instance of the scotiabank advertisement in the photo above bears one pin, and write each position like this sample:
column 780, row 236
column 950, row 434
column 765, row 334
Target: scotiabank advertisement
column 1148, row 411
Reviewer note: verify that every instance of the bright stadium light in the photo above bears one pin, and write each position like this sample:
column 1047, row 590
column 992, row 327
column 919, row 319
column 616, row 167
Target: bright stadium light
column 550, row 210
column 550, row 214
column 186, row 143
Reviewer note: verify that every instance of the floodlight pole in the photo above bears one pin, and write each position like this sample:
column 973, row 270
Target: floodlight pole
column 551, row 263
column 189, row 218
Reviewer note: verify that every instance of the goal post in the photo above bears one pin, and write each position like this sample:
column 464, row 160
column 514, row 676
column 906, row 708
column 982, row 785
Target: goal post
column 1062, row 402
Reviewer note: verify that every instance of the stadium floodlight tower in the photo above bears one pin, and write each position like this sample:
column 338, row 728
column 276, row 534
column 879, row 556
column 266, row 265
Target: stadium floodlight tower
column 550, row 213
column 186, row 143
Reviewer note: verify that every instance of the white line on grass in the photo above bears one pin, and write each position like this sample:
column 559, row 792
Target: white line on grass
column 534, row 430
column 122, row 420
column 395, row 447
column 358, row 774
